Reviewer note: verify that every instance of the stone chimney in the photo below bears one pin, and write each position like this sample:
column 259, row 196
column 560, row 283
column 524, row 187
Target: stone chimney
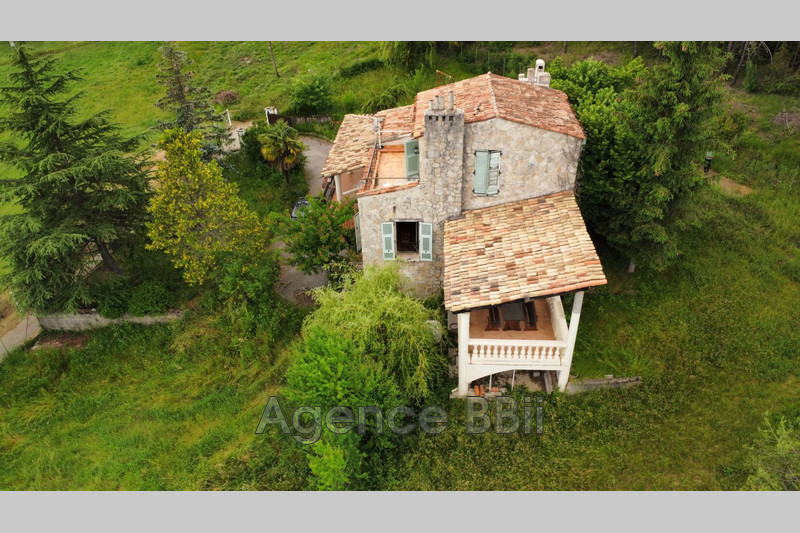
column 441, row 150
column 537, row 75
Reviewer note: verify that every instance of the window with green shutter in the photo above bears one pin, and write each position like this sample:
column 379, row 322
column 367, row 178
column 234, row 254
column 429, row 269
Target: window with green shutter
column 486, row 180
column 493, row 183
column 480, row 178
column 387, row 238
column 412, row 159
column 425, row 241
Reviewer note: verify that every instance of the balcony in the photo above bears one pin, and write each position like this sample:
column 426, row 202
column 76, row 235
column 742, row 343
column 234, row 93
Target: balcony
column 524, row 348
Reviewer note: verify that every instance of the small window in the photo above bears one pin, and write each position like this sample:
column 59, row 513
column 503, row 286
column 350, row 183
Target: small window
column 407, row 236
column 486, row 180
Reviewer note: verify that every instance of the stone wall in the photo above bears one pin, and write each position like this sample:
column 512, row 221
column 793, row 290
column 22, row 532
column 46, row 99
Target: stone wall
column 534, row 162
column 84, row 321
column 436, row 198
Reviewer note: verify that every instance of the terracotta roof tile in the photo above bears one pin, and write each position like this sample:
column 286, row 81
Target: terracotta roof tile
column 482, row 98
column 353, row 142
column 530, row 248
column 396, row 121
column 492, row 96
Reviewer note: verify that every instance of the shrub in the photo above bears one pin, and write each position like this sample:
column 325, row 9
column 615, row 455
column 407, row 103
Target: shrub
column 150, row 298
column 349, row 102
column 359, row 67
column 775, row 457
column 317, row 237
column 111, row 294
column 250, row 144
column 390, row 97
column 386, row 325
column 329, row 371
column 226, row 97
column 751, row 77
column 310, row 97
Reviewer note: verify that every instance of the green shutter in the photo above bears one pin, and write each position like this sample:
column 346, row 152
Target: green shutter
column 387, row 233
column 358, row 232
column 412, row 159
column 481, row 178
column 425, row 241
column 493, row 183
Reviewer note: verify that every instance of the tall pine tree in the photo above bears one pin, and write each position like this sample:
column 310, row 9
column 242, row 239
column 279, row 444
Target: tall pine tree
column 646, row 133
column 189, row 102
column 82, row 187
column 670, row 115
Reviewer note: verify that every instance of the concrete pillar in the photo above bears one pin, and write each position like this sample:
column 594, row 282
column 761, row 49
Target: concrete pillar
column 463, row 353
column 338, row 183
column 572, row 335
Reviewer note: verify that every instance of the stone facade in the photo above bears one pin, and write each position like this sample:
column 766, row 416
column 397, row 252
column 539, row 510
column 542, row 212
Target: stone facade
column 534, row 162
column 436, row 198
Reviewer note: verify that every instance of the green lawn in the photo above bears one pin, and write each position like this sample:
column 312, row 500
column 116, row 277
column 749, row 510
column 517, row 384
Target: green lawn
column 715, row 338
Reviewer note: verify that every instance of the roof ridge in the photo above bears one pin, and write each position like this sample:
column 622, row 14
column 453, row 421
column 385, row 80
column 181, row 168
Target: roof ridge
column 491, row 93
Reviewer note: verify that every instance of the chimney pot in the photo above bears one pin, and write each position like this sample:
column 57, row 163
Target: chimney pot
column 452, row 100
column 430, row 105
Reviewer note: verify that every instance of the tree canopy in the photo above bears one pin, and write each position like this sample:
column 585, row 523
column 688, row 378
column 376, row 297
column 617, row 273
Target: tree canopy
column 281, row 147
column 386, row 325
column 318, row 236
column 647, row 130
column 82, row 187
column 189, row 102
column 196, row 214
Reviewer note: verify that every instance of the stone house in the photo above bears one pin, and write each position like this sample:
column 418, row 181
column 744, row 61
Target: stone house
column 470, row 188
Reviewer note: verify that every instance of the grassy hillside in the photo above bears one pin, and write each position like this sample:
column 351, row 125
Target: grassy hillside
column 714, row 337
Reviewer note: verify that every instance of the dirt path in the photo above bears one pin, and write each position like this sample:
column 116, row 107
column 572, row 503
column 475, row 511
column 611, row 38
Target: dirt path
column 729, row 186
column 294, row 284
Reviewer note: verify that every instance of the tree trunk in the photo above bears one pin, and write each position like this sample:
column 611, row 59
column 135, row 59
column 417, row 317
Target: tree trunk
column 741, row 60
column 631, row 266
column 108, row 259
column 727, row 60
column 565, row 47
column 272, row 56
column 635, row 48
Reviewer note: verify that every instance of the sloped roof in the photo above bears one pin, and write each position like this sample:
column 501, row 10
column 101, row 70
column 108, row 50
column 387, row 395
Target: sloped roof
column 396, row 121
column 491, row 96
column 482, row 98
column 529, row 248
column 353, row 142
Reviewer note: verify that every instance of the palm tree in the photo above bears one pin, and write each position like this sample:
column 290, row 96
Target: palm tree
column 281, row 146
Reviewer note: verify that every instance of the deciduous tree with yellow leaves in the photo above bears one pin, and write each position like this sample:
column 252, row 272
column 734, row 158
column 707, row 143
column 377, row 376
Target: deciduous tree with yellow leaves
column 196, row 215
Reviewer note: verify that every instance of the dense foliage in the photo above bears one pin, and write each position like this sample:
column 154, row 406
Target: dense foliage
column 83, row 189
column 310, row 97
column 317, row 237
column 647, row 130
column 369, row 345
column 374, row 311
column 196, row 215
column 329, row 371
column 775, row 457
